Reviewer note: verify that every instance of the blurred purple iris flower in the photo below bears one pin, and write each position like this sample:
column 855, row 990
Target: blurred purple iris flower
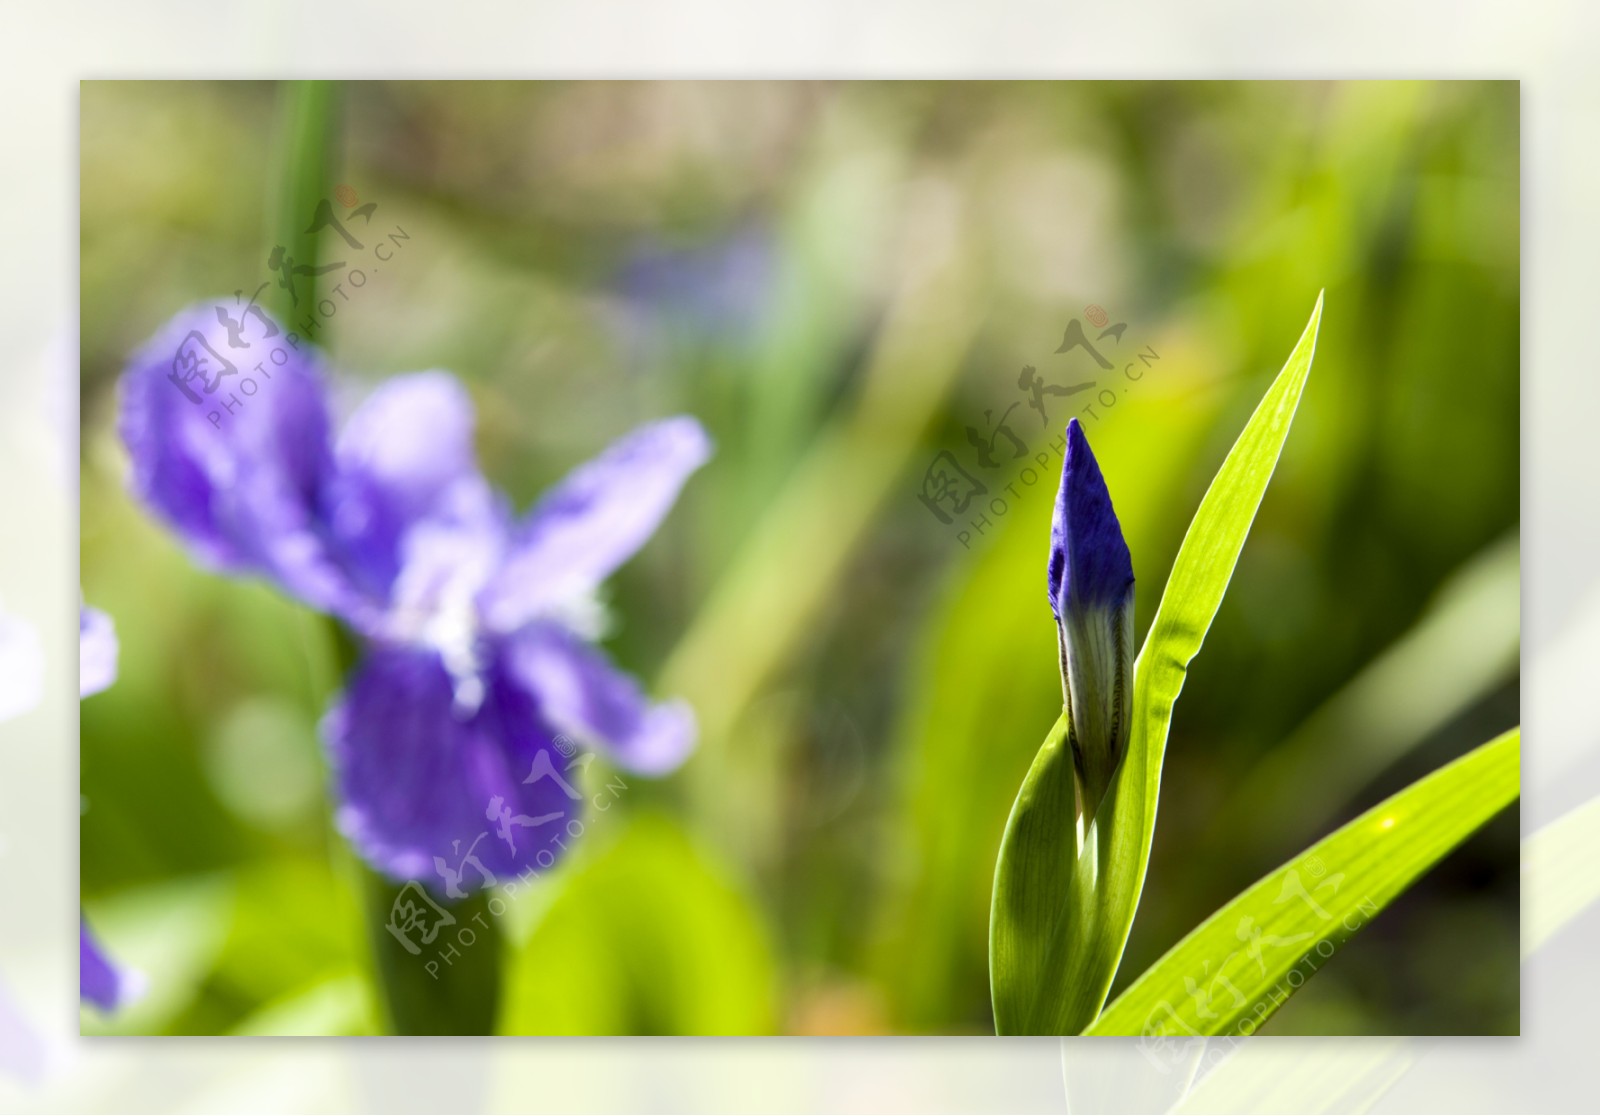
column 720, row 288
column 99, row 981
column 1091, row 596
column 476, row 627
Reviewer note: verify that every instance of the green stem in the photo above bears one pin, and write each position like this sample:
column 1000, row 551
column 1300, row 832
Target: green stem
column 307, row 155
column 451, row 986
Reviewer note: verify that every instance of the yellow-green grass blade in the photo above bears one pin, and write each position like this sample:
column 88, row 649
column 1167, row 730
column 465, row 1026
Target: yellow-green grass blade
column 1240, row 965
column 1560, row 882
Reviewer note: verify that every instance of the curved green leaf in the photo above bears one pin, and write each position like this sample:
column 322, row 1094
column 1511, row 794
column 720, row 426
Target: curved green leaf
column 1055, row 943
column 1232, row 972
column 1560, row 880
column 1032, row 933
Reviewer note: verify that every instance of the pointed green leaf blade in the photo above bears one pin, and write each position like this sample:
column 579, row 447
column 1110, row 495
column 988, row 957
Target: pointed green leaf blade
column 1231, row 973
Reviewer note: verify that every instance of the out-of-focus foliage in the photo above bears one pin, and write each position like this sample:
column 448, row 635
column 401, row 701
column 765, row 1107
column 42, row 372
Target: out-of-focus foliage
column 839, row 280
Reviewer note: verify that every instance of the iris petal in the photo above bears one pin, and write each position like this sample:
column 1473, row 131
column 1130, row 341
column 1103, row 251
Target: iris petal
column 423, row 782
column 99, row 981
column 583, row 694
column 594, row 520
column 228, row 436
column 97, row 652
column 404, row 457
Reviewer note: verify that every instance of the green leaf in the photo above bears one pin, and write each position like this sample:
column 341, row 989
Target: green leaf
column 649, row 937
column 1231, row 973
column 335, row 1005
column 1059, row 922
column 1032, row 933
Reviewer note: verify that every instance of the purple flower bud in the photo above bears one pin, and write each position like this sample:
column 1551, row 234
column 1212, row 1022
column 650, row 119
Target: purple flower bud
column 1091, row 596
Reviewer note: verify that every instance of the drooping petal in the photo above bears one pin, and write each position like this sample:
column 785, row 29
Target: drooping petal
column 224, row 416
column 594, row 520
column 21, row 667
column 584, row 695
column 1091, row 595
column 404, row 457
column 100, row 982
column 452, row 794
column 97, row 652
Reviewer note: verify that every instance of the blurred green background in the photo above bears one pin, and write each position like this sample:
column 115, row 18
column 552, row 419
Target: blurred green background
column 839, row 280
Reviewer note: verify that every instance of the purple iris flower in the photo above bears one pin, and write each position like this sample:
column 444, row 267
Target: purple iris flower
column 720, row 288
column 99, row 981
column 1091, row 596
column 477, row 628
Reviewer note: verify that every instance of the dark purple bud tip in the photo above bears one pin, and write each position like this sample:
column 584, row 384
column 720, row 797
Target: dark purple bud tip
column 1089, row 561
